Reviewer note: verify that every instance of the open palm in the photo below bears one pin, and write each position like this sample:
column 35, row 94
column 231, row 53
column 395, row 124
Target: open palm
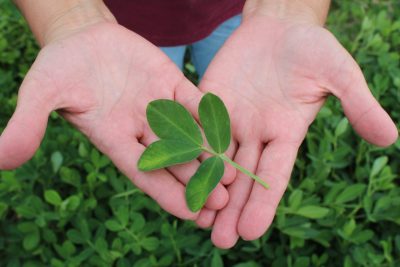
column 274, row 76
column 101, row 79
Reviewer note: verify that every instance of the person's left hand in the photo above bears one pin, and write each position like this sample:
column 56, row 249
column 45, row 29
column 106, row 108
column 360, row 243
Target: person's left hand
column 274, row 75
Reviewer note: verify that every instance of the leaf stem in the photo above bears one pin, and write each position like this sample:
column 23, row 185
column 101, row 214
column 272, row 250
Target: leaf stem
column 131, row 234
column 237, row 166
column 243, row 170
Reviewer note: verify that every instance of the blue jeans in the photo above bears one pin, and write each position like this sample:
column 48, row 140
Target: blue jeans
column 203, row 51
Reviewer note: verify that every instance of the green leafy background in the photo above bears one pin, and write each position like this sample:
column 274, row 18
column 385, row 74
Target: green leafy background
column 69, row 206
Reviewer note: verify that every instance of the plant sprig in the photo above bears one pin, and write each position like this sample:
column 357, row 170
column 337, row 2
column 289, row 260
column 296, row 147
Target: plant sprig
column 181, row 142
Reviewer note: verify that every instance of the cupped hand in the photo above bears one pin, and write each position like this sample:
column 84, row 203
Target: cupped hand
column 274, row 75
column 100, row 79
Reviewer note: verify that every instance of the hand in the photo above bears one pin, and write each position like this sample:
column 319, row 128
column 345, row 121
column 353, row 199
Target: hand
column 274, row 74
column 101, row 78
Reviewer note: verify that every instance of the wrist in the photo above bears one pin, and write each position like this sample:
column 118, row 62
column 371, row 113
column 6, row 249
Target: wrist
column 53, row 20
column 303, row 11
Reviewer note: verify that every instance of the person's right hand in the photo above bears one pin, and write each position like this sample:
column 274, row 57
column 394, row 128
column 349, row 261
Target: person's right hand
column 100, row 79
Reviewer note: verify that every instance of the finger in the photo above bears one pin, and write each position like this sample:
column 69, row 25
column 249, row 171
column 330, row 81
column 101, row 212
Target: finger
column 159, row 185
column 229, row 171
column 225, row 234
column 275, row 167
column 365, row 114
column 26, row 128
column 206, row 218
column 189, row 96
column 183, row 172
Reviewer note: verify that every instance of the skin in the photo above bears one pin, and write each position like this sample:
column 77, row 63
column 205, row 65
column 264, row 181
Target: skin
column 78, row 76
column 274, row 74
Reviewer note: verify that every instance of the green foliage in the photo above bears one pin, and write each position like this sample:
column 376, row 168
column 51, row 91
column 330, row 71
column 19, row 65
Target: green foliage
column 215, row 121
column 203, row 182
column 102, row 220
column 171, row 121
column 181, row 142
column 164, row 153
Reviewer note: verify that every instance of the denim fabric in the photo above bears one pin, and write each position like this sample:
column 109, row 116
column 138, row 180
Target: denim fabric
column 203, row 51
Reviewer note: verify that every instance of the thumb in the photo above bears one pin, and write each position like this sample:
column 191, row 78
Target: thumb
column 26, row 128
column 364, row 112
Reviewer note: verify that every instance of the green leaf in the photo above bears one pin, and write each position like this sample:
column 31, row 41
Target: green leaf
column 26, row 211
column 66, row 250
column 350, row 193
column 83, row 152
column 312, row 212
column 52, row 197
column 341, row 127
column 295, row 199
column 378, row 165
column 136, row 248
column 203, row 182
column 56, row 160
column 150, row 243
column 95, row 156
column 85, row 254
column 362, row 236
column 138, row 222
column 114, row 226
column 101, row 246
column 27, row 227
column 302, row 262
column 76, row 237
column 349, row 227
column 383, row 203
column 215, row 121
column 170, row 120
column 165, row 153
column 301, row 232
column 122, row 215
column 31, row 240
column 49, row 236
column 70, row 176
column 83, row 226
column 71, row 203
column 216, row 260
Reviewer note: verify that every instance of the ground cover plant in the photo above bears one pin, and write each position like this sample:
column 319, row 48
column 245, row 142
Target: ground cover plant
column 69, row 206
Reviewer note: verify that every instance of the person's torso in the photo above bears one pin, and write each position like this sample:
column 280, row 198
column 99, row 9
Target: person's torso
column 173, row 22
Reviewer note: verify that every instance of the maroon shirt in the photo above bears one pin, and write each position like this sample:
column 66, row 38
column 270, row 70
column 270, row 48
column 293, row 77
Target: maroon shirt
column 173, row 22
